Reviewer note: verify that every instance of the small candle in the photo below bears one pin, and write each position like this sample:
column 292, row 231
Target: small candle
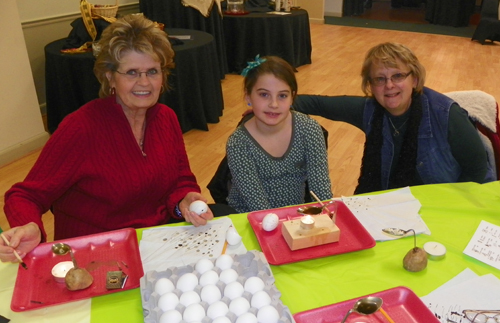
column 307, row 222
column 435, row 250
column 60, row 270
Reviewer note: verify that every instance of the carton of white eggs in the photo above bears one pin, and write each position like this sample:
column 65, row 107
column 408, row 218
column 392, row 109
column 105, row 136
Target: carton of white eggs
column 229, row 289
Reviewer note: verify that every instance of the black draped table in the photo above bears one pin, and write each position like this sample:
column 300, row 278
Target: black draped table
column 287, row 36
column 454, row 13
column 195, row 95
column 174, row 14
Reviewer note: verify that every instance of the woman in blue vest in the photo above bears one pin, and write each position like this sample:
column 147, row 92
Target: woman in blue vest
column 414, row 135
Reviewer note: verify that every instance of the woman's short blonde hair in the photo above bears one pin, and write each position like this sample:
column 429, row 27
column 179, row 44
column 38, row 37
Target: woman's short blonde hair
column 392, row 55
column 131, row 33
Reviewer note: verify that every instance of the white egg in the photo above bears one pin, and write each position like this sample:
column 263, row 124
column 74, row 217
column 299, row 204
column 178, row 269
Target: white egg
column 217, row 309
column 270, row 222
column 232, row 236
column 198, row 207
column 203, row 265
column 189, row 297
column 254, row 284
column 163, row 286
column 222, row 319
column 246, row 318
column 233, row 290
column 193, row 313
column 187, row 282
column 268, row 314
column 260, row 299
column 209, row 278
column 210, row 294
column 171, row 316
column 239, row 306
column 228, row 276
column 168, row 301
column 224, row 262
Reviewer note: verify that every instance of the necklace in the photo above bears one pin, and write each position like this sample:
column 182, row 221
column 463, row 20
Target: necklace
column 396, row 130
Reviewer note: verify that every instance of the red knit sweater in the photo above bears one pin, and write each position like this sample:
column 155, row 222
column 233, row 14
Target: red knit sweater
column 95, row 178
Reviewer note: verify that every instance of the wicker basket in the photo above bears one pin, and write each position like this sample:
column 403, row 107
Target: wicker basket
column 105, row 10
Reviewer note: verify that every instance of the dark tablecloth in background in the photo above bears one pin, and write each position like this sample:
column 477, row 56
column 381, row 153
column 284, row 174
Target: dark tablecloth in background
column 175, row 15
column 195, row 95
column 286, row 36
column 454, row 13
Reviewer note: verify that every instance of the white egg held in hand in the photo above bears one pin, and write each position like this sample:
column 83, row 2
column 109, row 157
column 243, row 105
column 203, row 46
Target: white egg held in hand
column 163, row 286
column 198, row 207
column 268, row 314
column 232, row 236
column 270, row 222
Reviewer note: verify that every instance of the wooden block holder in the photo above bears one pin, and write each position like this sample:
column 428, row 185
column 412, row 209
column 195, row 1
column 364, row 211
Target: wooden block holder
column 323, row 232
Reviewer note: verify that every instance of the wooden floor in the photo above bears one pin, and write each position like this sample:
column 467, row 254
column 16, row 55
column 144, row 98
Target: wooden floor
column 453, row 64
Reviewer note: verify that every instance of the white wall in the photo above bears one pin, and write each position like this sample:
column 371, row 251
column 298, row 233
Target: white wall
column 21, row 126
column 30, row 10
column 333, row 8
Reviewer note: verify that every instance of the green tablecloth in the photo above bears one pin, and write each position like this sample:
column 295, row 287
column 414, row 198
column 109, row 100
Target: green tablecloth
column 451, row 211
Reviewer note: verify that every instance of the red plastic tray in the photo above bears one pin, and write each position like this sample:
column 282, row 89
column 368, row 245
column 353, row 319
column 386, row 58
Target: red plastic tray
column 400, row 303
column 98, row 253
column 353, row 236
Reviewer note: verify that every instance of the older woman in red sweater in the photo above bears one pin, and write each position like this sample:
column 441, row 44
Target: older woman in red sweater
column 118, row 161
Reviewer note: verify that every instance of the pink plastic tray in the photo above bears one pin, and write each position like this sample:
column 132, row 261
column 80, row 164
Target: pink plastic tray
column 353, row 236
column 400, row 303
column 98, row 253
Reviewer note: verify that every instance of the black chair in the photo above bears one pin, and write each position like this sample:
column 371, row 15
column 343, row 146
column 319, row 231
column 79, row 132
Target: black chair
column 489, row 25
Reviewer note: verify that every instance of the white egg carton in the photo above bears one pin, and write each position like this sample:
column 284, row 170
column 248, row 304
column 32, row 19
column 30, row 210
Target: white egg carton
column 250, row 264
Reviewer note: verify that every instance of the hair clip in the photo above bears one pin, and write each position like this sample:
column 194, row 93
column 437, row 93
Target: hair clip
column 252, row 65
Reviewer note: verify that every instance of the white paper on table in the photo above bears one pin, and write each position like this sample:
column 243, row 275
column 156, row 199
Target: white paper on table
column 165, row 247
column 467, row 291
column 485, row 244
column 74, row 312
column 397, row 209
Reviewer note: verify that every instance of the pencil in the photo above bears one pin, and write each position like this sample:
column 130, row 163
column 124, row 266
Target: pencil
column 316, row 198
column 384, row 313
column 15, row 252
column 224, row 248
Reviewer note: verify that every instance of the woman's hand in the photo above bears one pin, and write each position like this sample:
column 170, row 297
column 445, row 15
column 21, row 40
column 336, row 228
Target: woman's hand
column 192, row 217
column 23, row 239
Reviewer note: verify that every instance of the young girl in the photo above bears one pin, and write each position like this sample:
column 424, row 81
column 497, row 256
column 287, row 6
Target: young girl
column 274, row 153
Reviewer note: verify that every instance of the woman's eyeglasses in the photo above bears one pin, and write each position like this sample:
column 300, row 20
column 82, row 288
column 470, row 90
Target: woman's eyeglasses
column 476, row 316
column 152, row 73
column 396, row 78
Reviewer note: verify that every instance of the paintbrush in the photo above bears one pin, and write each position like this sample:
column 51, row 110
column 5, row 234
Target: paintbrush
column 15, row 252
